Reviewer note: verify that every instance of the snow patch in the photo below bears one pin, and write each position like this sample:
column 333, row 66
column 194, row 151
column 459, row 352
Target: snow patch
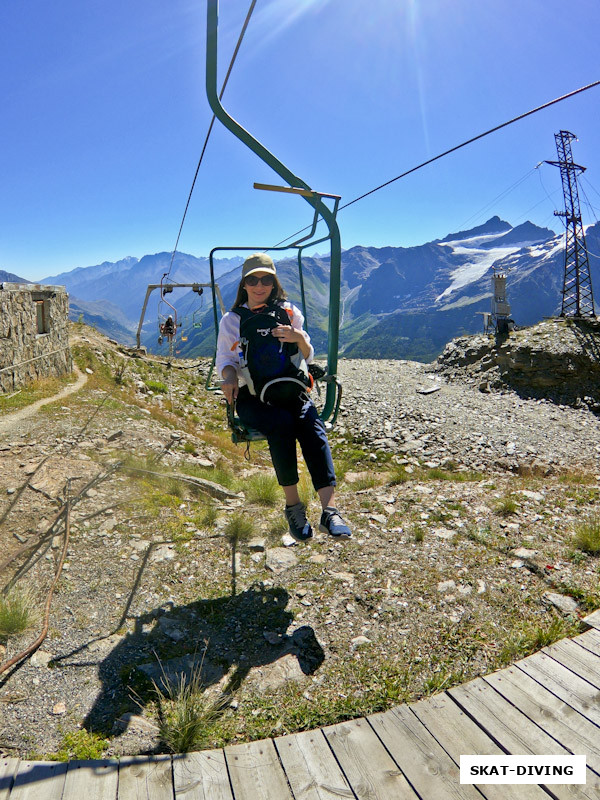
column 473, row 241
column 555, row 249
column 475, row 267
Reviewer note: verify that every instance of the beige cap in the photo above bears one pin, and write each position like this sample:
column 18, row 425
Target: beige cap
column 258, row 262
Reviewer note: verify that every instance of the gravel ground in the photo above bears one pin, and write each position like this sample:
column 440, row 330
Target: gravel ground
column 443, row 580
column 480, row 430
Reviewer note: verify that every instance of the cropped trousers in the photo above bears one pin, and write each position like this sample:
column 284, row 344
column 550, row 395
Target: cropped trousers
column 283, row 427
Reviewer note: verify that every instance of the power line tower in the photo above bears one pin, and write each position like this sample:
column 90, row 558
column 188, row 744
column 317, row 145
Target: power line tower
column 577, row 296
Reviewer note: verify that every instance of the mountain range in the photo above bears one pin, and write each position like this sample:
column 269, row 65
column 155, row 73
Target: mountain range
column 396, row 302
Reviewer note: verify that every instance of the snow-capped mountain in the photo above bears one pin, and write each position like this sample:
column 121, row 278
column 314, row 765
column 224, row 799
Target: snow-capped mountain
column 396, row 302
column 446, row 285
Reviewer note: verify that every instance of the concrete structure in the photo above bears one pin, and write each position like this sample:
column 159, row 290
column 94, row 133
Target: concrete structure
column 34, row 338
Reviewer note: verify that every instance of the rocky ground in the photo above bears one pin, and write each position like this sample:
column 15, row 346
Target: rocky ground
column 464, row 497
column 557, row 360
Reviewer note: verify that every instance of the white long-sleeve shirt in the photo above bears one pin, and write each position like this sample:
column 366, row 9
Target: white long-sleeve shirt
column 228, row 351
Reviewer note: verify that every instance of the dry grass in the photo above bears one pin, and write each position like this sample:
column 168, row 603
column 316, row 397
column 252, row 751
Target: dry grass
column 587, row 536
column 18, row 612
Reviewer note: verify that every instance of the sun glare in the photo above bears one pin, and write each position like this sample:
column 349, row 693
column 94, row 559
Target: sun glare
column 413, row 27
column 276, row 16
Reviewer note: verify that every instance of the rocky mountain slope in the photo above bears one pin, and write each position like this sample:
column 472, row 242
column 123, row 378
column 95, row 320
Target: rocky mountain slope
column 466, row 507
column 395, row 302
column 10, row 277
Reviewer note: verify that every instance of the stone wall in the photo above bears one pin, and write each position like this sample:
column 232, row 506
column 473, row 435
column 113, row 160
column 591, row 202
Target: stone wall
column 34, row 337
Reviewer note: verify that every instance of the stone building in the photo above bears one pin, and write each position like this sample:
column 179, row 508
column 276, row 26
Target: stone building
column 34, row 337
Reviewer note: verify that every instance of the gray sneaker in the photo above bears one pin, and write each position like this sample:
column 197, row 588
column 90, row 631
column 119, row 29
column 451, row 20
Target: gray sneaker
column 299, row 526
column 333, row 524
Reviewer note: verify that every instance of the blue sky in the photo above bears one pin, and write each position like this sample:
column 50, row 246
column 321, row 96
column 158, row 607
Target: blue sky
column 104, row 115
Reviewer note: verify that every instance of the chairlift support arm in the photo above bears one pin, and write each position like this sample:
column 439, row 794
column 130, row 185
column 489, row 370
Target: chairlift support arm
column 296, row 184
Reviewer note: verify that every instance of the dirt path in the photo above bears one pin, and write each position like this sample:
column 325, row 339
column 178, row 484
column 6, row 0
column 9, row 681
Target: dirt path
column 10, row 420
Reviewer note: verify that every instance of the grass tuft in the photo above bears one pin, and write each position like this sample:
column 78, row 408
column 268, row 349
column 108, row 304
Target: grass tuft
column 577, row 478
column 262, row 489
column 157, row 386
column 366, row 482
column 506, row 506
column 239, row 529
column 399, row 475
column 18, row 612
column 587, row 536
column 532, row 639
column 186, row 716
column 207, row 517
column 418, row 533
column 458, row 476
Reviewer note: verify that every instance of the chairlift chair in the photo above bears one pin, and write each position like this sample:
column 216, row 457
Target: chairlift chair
column 321, row 212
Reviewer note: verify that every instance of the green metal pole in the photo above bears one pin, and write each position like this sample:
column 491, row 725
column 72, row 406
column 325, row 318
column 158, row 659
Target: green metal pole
column 293, row 180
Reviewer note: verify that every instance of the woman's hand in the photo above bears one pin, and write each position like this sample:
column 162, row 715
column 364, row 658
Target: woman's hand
column 230, row 386
column 285, row 333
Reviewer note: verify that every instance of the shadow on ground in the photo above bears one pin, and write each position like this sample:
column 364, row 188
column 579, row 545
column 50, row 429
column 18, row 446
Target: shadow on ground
column 220, row 640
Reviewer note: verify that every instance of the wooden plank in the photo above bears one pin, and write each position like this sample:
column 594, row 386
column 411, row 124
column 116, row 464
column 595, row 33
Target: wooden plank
column 310, row 767
column 256, row 772
column 92, row 780
column 369, row 768
column 502, row 721
column 593, row 619
column 8, row 770
column 145, row 778
column 201, row 776
column 421, row 758
column 590, row 640
column 559, row 680
column 39, row 780
column 459, row 735
column 517, row 734
column 577, row 659
column 559, row 719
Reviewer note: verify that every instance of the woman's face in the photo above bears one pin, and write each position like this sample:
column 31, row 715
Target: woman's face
column 259, row 294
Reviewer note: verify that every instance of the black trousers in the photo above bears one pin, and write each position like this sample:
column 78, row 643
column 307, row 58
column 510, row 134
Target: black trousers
column 283, row 427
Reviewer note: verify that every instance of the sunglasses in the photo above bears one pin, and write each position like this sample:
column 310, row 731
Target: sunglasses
column 254, row 280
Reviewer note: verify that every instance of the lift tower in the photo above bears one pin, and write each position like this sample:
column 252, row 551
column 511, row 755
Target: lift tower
column 577, row 297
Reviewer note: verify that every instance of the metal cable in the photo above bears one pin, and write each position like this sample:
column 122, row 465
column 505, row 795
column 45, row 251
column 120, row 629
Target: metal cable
column 42, row 635
column 588, row 203
column 498, row 197
column 453, row 150
column 210, row 127
column 37, row 358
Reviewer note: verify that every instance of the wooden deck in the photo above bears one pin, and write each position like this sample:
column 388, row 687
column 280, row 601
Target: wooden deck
column 548, row 703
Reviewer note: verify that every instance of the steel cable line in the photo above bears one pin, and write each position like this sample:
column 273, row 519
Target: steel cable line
column 593, row 212
column 588, row 202
column 590, row 184
column 210, row 127
column 453, row 150
column 498, row 197
column 543, row 185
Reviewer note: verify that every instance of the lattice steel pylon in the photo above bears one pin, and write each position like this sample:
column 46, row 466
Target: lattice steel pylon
column 577, row 295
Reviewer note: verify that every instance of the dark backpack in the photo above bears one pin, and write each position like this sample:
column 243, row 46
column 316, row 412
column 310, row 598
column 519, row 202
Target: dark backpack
column 274, row 371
